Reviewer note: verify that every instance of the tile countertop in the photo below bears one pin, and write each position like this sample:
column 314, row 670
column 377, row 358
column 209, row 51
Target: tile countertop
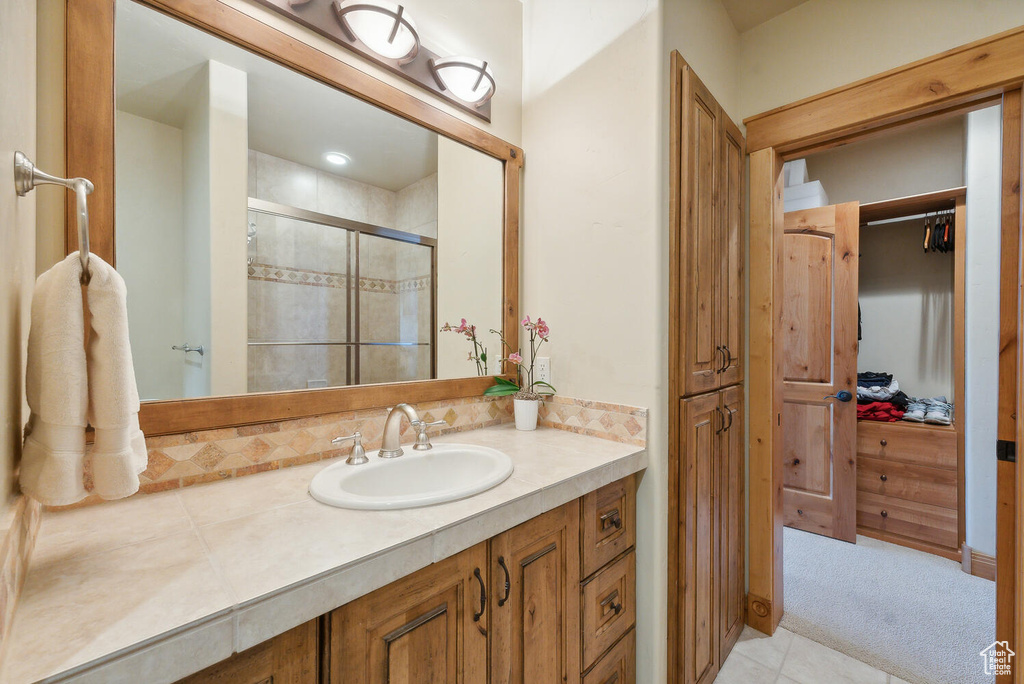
column 168, row 584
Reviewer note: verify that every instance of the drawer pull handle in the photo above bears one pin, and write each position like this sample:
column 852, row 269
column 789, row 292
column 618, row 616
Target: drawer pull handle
column 883, row 477
column 885, row 514
column 609, row 602
column 483, row 595
column 613, row 679
column 611, row 519
column 508, row 582
column 883, row 442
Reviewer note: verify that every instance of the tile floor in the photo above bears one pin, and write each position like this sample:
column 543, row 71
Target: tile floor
column 787, row 658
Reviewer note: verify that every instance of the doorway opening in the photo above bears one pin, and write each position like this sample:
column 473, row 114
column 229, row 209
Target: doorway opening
column 890, row 365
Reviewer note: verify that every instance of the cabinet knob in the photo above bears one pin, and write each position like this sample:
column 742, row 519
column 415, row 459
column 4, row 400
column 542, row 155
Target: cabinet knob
column 885, row 514
column 883, row 442
column 611, row 519
column 609, row 603
column 799, row 511
column 883, row 477
column 796, row 461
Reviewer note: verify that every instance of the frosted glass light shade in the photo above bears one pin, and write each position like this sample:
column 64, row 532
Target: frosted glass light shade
column 380, row 25
column 468, row 78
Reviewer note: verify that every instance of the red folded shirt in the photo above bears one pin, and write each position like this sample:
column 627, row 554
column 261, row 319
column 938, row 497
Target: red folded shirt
column 883, row 411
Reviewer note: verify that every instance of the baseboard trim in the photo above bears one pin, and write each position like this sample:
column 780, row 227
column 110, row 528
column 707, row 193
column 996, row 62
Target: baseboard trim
column 977, row 563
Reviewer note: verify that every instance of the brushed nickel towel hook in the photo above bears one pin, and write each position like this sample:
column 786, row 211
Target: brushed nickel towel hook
column 27, row 177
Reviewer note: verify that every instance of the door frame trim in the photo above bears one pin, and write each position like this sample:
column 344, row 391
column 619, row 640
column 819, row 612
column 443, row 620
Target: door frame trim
column 970, row 76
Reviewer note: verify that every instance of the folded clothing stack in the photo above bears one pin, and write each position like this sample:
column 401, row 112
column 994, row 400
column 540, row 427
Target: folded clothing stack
column 879, row 397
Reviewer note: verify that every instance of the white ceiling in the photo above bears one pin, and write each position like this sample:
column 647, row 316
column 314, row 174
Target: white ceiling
column 746, row 14
column 290, row 116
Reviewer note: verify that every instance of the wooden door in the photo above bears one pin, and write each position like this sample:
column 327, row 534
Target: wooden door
column 731, row 514
column 701, row 356
column 730, row 313
column 700, row 424
column 819, row 359
column 535, row 592
column 428, row 627
column 290, row 658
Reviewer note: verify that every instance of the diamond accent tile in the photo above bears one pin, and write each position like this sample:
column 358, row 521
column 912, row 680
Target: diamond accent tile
column 256, row 449
column 208, row 457
column 159, row 463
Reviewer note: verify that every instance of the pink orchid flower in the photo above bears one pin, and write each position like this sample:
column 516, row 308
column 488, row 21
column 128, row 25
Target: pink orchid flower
column 515, row 357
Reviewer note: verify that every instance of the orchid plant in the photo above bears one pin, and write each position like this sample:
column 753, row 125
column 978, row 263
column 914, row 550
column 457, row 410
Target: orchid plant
column 524, row 387
column 479, row 353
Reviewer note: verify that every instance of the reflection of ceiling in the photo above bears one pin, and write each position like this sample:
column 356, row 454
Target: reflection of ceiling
column 290, row 116
column 746, row 14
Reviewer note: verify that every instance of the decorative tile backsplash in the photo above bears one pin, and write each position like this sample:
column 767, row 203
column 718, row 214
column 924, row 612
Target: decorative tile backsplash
column 20, row 527
column 616, row 422
column 189, row 458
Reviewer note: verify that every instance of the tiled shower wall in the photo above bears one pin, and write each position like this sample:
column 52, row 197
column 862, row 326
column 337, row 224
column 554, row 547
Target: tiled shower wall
column 299, row 280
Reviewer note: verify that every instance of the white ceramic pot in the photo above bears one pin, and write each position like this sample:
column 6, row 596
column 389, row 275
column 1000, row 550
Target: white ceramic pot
column 526, row 413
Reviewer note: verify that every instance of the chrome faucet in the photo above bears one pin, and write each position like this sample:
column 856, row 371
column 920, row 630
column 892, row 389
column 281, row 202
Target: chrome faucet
column 391, row 445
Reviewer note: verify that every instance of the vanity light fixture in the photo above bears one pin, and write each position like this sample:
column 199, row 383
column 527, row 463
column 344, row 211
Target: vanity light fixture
column 337, row 158
column 383, row 32
column 468, row 78
column 382, row 26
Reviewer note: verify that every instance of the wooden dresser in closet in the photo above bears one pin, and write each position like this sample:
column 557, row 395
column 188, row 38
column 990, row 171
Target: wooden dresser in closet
column 908, row 489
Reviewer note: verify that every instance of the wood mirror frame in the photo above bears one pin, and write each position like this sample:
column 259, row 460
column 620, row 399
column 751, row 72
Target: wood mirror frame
column 89, row 87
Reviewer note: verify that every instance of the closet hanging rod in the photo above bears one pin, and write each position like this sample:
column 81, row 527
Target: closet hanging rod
column 27, row 177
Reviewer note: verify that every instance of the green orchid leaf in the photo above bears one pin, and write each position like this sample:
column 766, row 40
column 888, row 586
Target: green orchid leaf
column 551, row 389
column 500, row 391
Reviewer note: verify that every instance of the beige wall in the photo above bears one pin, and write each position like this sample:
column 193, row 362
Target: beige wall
column 17, row 225
column 823, row 44
column 469, row 248
column 151, row 246
column 910, row 162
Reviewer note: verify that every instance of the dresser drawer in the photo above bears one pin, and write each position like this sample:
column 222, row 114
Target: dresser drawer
column 928, row 445
column 919, row 521
column 609, row 607
column 923, row 484
column 618, row 666
column 608, row 524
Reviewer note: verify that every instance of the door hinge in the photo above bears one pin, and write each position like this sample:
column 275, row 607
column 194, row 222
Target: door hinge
column 1006, row 450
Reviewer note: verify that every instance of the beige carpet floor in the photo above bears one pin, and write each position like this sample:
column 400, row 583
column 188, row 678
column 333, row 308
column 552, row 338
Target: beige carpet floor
column 913, row 614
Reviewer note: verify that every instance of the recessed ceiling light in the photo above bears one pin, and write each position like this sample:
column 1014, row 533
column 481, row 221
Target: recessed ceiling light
column 337, row 158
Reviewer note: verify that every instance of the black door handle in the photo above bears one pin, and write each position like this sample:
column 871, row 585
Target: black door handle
column 841, row 395
column 483, row 596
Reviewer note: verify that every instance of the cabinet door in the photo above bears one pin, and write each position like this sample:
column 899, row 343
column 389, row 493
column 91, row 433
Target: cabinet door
column 701, row 356
column 535, row 619
column 700, row 423
column 731, row 253
column 428, row 627
column 731, row 585
column 290, row 658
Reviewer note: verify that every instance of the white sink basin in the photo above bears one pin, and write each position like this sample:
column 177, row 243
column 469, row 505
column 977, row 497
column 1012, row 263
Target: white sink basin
column 419, row 478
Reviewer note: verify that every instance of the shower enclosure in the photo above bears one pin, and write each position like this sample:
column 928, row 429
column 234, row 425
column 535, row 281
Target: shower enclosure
column 336, row 302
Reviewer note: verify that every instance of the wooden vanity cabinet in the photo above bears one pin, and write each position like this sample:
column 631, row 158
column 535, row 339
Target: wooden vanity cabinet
column 535, row 570
column 291, row 658
column 428, row 627
column 550, row 600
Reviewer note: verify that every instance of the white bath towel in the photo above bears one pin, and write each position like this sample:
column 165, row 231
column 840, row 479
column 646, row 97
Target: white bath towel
column 52, row 460
column 119, row 453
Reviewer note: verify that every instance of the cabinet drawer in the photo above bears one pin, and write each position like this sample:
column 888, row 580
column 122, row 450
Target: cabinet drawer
column 618, row 666
column 923, row 484
column 910, row 443
column 609, row 607
column 919, row 521
column 608, row 524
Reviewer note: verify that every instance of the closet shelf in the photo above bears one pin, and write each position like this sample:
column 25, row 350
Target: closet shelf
column 910, row 205
column 912, row 424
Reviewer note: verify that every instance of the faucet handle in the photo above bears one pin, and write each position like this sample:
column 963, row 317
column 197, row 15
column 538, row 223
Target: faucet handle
column 422, row 441
column 358, row 455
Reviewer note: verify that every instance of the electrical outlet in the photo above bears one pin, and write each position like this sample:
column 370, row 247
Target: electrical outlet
column 543, row 370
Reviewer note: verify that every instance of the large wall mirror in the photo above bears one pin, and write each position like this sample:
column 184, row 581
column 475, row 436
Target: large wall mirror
column 282, row 237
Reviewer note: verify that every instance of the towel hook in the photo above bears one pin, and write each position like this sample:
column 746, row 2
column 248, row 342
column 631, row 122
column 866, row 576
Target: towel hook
column 27, row 177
